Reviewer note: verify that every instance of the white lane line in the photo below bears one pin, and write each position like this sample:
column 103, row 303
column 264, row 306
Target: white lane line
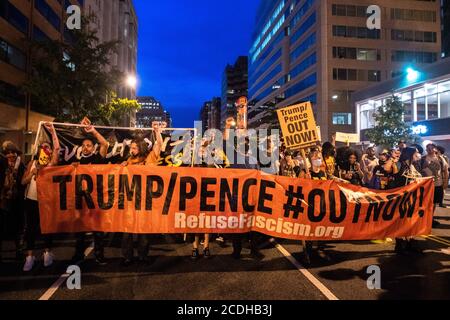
column 55, row 286
column 446, row 251
column 319, row 285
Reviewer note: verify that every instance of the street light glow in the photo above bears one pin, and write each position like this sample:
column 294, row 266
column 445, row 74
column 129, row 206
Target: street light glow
column 412, row 75
column 131, row 81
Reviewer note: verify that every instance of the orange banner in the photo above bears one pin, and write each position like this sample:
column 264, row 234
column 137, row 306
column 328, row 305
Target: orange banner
column 139, row 199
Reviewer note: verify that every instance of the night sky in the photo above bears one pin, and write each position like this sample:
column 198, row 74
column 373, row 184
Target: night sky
column 183, row 49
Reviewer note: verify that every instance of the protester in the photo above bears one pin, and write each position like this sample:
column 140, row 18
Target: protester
column 140, row 155
column 405, row 176
column 433, row 166
column 249, row 162
column 350, row 169
column 89, row 157
column 196, row 243
column 46, row 156
column 382, row 179
column 11, row 196
column 401, row 145
column 316, row 172
column 329, row 157
column 445, row 173
column 289, row 167
column 368, row 162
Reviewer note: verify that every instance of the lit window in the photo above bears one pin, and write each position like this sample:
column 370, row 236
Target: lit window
column 342, row 118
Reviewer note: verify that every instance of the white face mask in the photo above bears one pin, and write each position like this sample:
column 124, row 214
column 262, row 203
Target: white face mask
column 317, row 162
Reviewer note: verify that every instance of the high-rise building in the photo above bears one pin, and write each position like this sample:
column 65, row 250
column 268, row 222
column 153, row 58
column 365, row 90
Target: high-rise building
column 204, row 115
column 322, row 51
column 116, row 20
column 445, row 21
column 215, row 114
column 210, row 114
column 151, row 110
column 234, row 86
column 19, row 20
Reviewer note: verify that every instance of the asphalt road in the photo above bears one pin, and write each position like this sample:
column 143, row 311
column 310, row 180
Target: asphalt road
column 280, row 274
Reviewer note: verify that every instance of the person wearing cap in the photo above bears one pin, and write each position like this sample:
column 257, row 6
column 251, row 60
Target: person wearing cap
column 368, row 162
column 381, row 178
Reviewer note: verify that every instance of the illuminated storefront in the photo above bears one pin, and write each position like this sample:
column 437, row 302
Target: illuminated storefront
column 425, row 94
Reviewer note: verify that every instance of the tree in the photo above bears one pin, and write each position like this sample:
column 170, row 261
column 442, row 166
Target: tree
column 390, row 126
column 72, row 79
column 113, row 112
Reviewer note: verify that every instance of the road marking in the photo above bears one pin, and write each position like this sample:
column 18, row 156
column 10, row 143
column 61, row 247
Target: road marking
column 319, row 285
column 438, row 240
column 55, row 286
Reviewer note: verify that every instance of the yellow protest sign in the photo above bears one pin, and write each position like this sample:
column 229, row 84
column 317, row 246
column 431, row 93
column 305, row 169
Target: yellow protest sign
column 298, row 126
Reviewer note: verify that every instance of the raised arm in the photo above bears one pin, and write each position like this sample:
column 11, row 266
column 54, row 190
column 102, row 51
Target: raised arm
column 104, row 144
column 56, row 146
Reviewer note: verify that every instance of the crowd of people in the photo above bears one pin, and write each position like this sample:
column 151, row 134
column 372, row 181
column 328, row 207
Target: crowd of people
column 19, row 210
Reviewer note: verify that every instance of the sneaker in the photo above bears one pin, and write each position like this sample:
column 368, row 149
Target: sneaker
column 100, row 260
column 29, row 263
column 48, row 259
column 206, row 253
column 195, row 254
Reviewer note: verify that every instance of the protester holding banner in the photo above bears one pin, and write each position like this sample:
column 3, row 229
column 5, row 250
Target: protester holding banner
column 196, row 243
column 350, row 169
column 140, row 155
column 46, row 156
column 317, row 173
column 405, row 176
column 368, row 162
column 88, row 157
column 381, row 179
column 240, row 151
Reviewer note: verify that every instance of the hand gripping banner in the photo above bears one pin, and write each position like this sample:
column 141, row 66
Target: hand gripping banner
column 139, row 199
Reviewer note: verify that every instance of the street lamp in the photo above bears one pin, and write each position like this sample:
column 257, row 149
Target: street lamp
column 411, row 74
column 131, row 81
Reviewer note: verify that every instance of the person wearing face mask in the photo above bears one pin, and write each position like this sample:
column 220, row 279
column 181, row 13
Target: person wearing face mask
column 407, row 174
column 46, row 157
column 315, row 173
column 89, row 156
column 11, row 197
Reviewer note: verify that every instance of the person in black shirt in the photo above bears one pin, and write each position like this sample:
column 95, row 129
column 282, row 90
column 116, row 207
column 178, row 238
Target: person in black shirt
column 89, row 157
column 350, row 169
column 381, row 178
